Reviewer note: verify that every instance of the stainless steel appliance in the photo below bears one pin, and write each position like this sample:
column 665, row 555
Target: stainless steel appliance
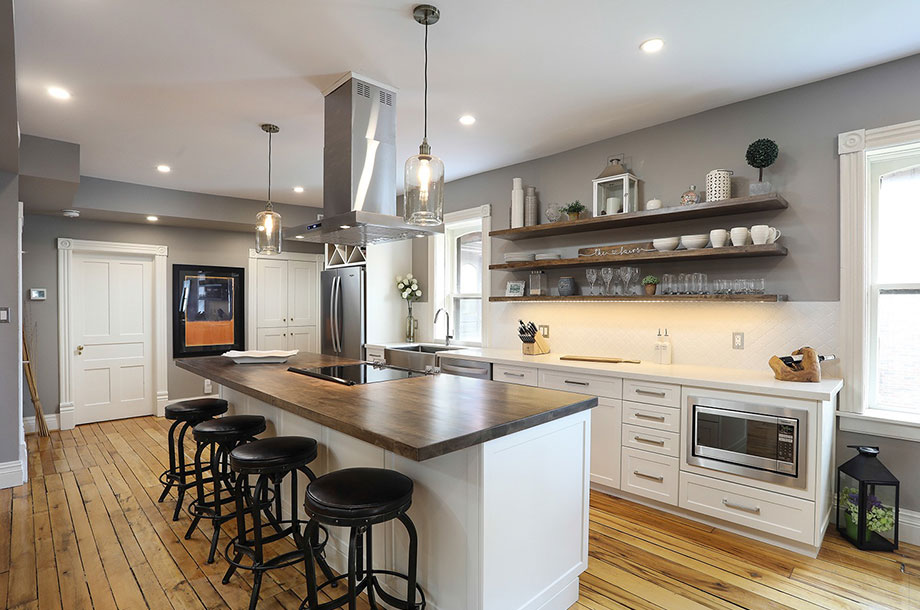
column 357, row 374
column 756, row 441
column 343, row 308
column 415, row 356
column 466, row 368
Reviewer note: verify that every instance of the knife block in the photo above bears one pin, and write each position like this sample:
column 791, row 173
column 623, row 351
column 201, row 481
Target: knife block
column 539, row 346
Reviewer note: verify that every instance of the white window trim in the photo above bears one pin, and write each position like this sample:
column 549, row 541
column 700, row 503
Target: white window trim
column 484, row 212
column 855, row 148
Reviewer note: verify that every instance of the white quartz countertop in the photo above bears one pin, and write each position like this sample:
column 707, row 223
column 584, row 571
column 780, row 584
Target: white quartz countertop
column 742, row 380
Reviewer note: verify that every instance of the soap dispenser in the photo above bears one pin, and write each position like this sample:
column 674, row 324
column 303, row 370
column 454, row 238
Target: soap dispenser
column 664, row 349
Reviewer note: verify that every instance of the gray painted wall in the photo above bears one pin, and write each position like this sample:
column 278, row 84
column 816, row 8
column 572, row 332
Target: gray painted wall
column 9, row 333
column 186, row 245
column 804, row 121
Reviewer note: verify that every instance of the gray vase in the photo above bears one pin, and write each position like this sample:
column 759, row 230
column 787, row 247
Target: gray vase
column 566, row 286
column 760, row 188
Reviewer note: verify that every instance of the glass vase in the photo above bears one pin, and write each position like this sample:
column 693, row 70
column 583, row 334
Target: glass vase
column 411, row 325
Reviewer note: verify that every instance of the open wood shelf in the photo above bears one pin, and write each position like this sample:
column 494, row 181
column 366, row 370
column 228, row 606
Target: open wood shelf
column 647, row 257
column 684, row 298
column 737, row 205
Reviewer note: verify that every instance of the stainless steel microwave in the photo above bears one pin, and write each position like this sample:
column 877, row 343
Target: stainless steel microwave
column 756, row 441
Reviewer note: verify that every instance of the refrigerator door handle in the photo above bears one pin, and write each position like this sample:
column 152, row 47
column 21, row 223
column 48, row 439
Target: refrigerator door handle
column 332, row 316
column 337, row 304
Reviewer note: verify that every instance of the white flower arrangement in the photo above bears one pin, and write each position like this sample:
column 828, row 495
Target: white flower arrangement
column 408, row 288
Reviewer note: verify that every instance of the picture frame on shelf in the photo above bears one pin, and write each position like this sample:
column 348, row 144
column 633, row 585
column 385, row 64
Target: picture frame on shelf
column 516, row 288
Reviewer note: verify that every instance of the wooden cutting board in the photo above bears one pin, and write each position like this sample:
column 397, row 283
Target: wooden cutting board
column 600, row 359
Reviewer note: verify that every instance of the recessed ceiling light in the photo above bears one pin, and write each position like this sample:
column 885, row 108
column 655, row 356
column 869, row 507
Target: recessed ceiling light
column 298, row 189
column 59, row 93
column 467, row 119
column 299, row 236
column 153, row 218
column 164, row 169
column 652, row 45
column 71, row 213
column 345, row 227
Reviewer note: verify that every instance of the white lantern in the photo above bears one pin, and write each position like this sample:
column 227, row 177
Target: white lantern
column 616, row 190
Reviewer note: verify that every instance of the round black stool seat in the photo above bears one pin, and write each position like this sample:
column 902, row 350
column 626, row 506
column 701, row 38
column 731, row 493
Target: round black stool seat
column 197, row 408
column 359, row 493
column 229, row 427
column 277, row 454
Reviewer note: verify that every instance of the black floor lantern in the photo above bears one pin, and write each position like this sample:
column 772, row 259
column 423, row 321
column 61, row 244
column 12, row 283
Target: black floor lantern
column 867, row 502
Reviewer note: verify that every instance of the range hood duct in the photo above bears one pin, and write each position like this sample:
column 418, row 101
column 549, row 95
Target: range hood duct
column 359, row 169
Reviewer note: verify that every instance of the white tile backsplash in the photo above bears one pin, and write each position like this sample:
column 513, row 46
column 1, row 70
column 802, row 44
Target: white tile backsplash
column 701, row 333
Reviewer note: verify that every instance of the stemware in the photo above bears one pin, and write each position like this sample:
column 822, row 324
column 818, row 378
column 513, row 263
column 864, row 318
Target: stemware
column 591, row 274
column 607, row 275
column 667, row 284
column 758, row 286
column 628, row 275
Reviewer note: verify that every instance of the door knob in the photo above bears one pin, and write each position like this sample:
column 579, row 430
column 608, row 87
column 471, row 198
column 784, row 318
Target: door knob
column 79, row 350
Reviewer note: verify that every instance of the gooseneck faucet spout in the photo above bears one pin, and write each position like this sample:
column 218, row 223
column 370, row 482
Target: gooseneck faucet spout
column 447, row 335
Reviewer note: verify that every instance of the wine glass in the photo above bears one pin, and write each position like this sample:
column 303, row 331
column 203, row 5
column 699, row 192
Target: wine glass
column 607, row 275
column 628, row 274
column 591, row 274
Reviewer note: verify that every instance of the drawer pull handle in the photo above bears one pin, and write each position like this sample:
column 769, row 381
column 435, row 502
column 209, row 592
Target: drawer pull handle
column 507, row 374
column 651, row 392
column 748, row 509
column 584, row 383
column 648, row 476
column 650, row 417
column 649, row 441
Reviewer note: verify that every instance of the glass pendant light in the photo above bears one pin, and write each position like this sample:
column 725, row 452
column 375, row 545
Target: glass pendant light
column 424, row 185
column 268, row 221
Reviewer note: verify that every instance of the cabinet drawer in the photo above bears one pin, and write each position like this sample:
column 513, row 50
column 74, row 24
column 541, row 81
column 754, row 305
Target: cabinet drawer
column 665, row 443
column 766, row 511
column 596, row 385
column 651, row 393
column 649, row 474
column 651, row 416
column 514, row 374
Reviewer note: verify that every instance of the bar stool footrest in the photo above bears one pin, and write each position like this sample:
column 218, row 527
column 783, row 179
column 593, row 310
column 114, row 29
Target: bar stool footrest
column 366, row 582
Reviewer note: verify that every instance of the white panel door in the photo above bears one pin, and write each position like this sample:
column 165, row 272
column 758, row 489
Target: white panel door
column 272, row 298
column 112, row 332
column 272, row 338
column 303, row 286
column 605, row 442
column 302, row 338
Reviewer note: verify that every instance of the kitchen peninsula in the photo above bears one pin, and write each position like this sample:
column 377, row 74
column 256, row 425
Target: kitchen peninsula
column 501, row 471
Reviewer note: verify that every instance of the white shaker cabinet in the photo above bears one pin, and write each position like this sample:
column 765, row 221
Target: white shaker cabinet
column 605, row 442
column 283, row 301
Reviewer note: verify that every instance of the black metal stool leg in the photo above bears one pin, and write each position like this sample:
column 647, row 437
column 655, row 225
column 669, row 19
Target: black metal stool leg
column 180, row 448
column 413, row 558
column 259, row 500
column 199, row 486
column 240, row 526
column 369, row 549
column 219, row 472
column 352, row 570
column 172, row 459
column 310, row 567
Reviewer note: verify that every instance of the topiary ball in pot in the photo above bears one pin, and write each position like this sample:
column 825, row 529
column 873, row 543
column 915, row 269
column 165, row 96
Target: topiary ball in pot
column 760, row 154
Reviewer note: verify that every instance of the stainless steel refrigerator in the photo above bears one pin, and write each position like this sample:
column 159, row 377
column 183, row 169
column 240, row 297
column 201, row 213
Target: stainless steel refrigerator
column 343, row 312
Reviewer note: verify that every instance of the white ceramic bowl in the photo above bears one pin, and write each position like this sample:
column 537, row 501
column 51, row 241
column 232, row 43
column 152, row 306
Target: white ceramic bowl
column 663, row 244
column 694, row 242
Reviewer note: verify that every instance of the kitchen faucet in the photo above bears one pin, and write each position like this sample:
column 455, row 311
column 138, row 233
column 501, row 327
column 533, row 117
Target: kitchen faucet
column 447, row 335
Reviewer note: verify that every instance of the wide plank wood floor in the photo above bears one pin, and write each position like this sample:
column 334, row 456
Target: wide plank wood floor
column 87, row 532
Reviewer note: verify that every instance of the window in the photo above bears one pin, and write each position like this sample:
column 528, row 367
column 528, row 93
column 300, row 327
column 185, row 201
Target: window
column 459, row 277
column 894, row 286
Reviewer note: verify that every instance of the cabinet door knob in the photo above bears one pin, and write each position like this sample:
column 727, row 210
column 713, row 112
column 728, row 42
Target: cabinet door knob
column 79, row 350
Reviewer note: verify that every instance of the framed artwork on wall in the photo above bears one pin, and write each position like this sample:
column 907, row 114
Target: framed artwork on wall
column 207, row 310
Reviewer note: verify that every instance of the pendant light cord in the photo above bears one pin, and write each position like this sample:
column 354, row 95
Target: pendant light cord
column 270, row 170
column 425, row 135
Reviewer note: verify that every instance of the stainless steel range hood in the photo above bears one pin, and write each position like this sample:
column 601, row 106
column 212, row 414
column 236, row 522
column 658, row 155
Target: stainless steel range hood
column 359, row 169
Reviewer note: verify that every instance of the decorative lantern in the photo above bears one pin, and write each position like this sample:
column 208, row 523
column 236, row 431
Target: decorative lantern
column 616, row 191
column 867, row 502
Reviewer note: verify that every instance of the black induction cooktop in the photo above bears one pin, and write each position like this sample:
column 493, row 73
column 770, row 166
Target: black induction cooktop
column 358, row 374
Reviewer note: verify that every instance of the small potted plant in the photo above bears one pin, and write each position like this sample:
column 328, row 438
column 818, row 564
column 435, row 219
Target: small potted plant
column 879, row 518
column 573, row 210
column 651, row 285
column 760, row 154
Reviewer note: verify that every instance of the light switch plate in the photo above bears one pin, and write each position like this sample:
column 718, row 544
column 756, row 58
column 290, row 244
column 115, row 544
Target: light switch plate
column 38, row 294
column 544, row 330
column 4, row 315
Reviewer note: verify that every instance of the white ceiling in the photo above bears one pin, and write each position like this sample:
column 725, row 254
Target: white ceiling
column 188, row 83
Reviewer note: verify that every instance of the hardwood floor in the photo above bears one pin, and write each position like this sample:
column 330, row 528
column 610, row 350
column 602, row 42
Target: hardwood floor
column 87, row 532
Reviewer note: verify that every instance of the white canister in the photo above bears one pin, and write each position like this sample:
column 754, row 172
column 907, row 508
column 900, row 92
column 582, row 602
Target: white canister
column 719, row 185
column 517, row 203
column 653, row 204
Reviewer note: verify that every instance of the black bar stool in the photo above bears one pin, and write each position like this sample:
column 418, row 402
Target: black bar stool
column 358, row 498
column 220, row 437
column 271, row 460
column 187, row 413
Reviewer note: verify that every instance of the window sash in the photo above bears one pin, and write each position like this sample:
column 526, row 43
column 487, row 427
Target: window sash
column 451, row 295
column 875, row 293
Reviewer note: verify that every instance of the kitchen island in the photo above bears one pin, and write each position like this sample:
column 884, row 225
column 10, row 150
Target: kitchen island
column 501, row 472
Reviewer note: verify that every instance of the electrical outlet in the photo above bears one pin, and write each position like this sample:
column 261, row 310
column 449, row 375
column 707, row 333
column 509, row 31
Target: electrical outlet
column 544, row 330
column 737, row 340
column 207, row 386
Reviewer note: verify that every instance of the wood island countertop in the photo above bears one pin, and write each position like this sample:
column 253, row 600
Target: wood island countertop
column 418, row 418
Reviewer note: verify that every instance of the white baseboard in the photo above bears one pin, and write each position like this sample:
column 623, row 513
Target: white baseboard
column 50, row 418
column 11, row 474
column 66, row 416
column 909, row 527
column 24, row 460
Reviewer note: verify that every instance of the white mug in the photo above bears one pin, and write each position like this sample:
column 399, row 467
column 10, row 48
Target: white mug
column 718, row 237
column 764, row 234
column 740, row 236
